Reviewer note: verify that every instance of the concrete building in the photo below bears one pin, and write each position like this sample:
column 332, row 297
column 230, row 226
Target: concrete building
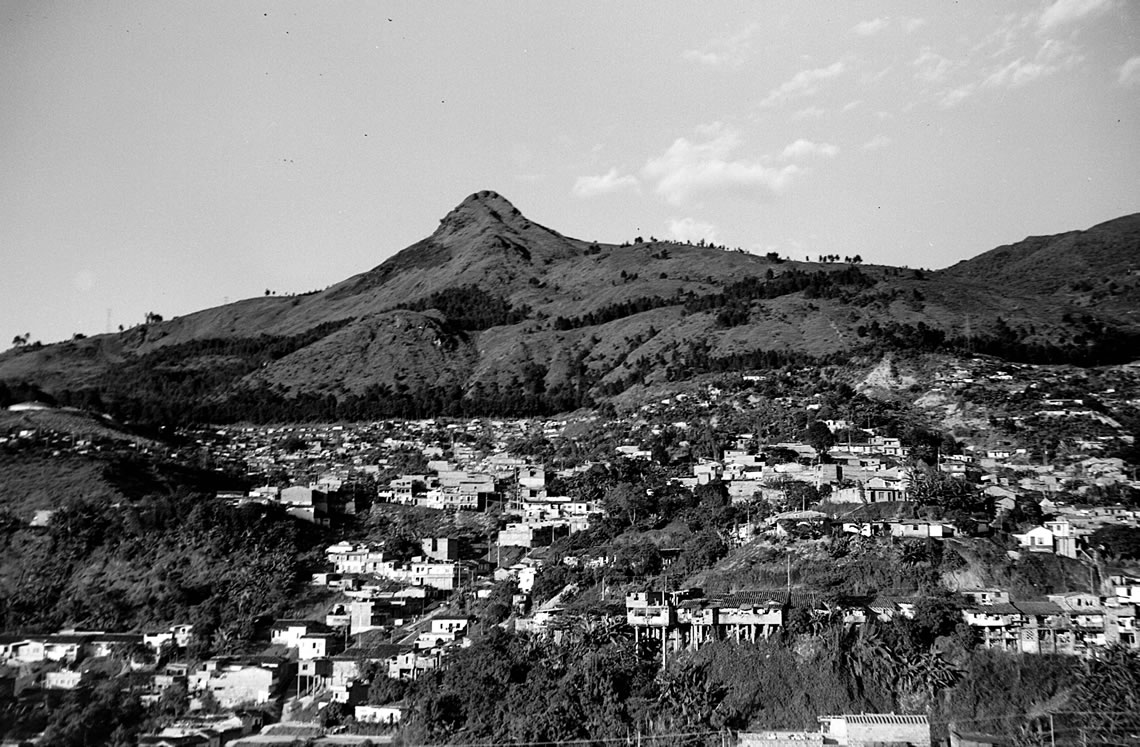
column 873, row 729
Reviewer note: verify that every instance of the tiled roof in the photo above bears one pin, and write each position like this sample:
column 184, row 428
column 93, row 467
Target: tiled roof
column 1002, row 609
column 1038, row 608
column 755, row 598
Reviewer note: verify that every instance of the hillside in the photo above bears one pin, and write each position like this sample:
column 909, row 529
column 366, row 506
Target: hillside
column 1048, row 264
column 493, row 313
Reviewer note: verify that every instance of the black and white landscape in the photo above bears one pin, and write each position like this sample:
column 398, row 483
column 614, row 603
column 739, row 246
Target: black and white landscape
column 784, row 390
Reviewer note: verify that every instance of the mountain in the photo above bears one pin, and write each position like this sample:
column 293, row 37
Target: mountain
column 1107, row 252
column 493, row 313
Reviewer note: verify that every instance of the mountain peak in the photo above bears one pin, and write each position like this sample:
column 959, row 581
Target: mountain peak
column 479, row 210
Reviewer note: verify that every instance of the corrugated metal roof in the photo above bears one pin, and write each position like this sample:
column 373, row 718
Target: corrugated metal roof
column 884, row 719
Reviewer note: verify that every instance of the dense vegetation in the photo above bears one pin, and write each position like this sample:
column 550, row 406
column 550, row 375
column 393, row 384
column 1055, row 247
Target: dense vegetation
column 733, row 304
column 469, row 307
column 1096, row 345
column 170, row 384
column 161, row 560
column 599, row 684
column 614, row 311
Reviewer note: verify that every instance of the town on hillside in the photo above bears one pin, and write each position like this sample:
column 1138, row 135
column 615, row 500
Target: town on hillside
column 666, row 527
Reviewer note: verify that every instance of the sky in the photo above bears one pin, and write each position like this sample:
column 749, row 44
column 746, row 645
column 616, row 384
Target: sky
column 173, row 156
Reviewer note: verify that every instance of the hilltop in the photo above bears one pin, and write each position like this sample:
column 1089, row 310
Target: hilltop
column 493, row 313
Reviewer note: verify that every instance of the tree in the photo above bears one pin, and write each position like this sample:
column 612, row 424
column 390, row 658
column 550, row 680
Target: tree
column 639, row 559
column 779, row 455
column 797, row 495
column 1121, row 542
column 688, row 697
column 929, row 487
column 96, row 713
column 819, row 436
column 1109, row 693
column 628, row 502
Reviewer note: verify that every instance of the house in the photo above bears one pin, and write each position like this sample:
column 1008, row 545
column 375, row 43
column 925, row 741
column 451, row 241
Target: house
column 1004, row 499
column 441, row 548
column 338, row 618
column 687, row 619
column 877, row 489
column 883, row 489
column 319, row 645
column 385, row 714
column 780, row 738
column 349, row 558
column 516, row 535
column 345, row 683
column 179, row 635
column 1127, row 589
column 409, row 665
column 289, row 633
column 203, row 731
column 1120, row 626
column 288, row 734
column 235, row 682
column 985, row 597
column 872, row 729
column 64, row 679
column 707, row 471
column 531, row 481
column 450, row 626
column 408, row 489
column 370, row 614
column 443, row 630
column 1037, row 539
column 920, row 529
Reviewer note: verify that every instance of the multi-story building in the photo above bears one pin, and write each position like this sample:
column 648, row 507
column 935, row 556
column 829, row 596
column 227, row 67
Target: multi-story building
column 686, row 619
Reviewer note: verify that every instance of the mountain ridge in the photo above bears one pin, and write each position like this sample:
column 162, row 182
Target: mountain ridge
column 492, row 311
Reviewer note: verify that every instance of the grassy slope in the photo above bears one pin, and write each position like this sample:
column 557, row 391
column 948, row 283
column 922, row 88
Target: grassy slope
column 486, row 242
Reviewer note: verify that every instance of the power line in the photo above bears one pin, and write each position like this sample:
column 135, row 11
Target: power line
column 641, row 737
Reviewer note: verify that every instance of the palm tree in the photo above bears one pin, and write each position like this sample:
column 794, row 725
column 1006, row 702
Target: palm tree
column 922, row 678
column 687, row 696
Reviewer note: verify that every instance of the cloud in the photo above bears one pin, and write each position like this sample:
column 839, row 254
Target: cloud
column 607, row 183
column 689, row 229
column 807, row 149
column 871, row 27
column 1053, row 56
column 1130, row 72
column 1007, row 69
column 910, row 25
column 931, row 66
column 869, row 78
column 877, row 142
column 1064, row 12
column 725, row 51
column 803, row 83
column 687, row 168
column 811, row 112
column 955, row 96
